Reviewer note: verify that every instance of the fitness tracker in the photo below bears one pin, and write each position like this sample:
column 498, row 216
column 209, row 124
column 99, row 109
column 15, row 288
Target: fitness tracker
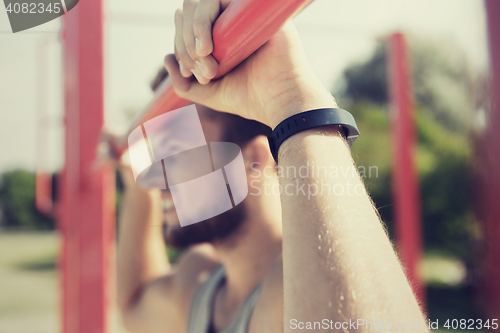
column 311, row 119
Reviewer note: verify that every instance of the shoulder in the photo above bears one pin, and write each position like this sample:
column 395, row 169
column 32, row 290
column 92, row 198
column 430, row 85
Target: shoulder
column 268, row 312
column 193, row 267
column 165, row 302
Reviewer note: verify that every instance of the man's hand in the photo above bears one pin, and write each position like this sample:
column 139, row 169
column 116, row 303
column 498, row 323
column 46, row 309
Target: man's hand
column 274, row 83
column 120, row 162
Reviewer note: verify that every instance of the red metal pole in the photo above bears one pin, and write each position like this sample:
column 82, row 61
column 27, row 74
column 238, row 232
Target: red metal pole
column 240, row 30
column 488, row 156
column 405, row 184
column 87, row 215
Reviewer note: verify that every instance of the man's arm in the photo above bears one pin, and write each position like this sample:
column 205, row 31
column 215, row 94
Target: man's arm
column 143, row 270
column 152, row 295
column 338, row 261
column 141, row 252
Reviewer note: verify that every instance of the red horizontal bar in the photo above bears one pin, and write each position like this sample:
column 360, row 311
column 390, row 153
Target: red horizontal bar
column 246, row 25
column 238, row 32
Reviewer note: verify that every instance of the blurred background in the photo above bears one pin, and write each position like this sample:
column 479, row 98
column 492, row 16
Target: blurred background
column 346, row 43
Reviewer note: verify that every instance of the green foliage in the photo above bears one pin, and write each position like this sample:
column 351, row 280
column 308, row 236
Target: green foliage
column 367, row 80
column 443, row 163
column 173, row 254
column 373, row 148
column 442, row 82
column 17, row 202
column 444, row 94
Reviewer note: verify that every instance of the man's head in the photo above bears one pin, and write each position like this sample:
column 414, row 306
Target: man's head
column 250, row 136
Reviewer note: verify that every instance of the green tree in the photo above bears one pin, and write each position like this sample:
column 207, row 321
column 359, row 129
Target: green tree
column 17, row 202
column 442, row 82
column 445, row 102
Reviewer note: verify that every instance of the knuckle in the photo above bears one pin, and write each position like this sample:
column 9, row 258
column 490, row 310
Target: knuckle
column 188, row 4
column 199, row 25
column 178, row 15
column 190, row 47
column 186, row 60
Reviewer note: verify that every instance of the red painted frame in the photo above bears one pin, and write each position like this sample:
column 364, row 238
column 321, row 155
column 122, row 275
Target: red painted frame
column 488, row 165
column 87, row 214
column 86, row 217
column 405, row 183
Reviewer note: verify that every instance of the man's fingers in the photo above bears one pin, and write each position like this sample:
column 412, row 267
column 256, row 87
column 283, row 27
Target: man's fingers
column 185, row 61
column 204, row 17
column 205, row 67
column 193, row 36
column 190, row 89
column 189, row 9
column 180, row 82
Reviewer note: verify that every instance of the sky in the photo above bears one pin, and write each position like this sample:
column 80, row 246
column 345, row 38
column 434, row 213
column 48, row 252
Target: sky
column 335, row 33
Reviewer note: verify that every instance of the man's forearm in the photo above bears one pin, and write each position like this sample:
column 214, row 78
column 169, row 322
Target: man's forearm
column 141, row 250
column 338, row 261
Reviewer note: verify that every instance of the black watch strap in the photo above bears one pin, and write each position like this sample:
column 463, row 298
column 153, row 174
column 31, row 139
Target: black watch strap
column 310, row 119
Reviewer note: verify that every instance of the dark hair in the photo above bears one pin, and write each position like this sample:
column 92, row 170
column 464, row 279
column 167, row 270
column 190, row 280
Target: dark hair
column 236, row 129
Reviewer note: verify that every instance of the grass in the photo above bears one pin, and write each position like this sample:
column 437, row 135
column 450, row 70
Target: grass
column 28, row 280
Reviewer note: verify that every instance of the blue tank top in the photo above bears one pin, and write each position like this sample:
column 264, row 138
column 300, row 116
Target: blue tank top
column 200, row 313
